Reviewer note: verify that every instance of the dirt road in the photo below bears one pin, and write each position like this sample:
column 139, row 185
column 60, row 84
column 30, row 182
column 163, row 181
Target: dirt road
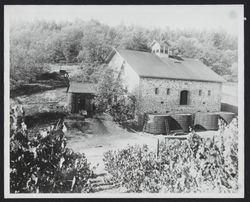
column 102, row 135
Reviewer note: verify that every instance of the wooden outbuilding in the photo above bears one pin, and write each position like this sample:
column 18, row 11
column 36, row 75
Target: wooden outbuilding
column 81, row 97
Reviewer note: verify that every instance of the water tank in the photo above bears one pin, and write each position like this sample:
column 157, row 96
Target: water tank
column 226, row 116
column 155, row 124
column 206, row 121
column 179, row 121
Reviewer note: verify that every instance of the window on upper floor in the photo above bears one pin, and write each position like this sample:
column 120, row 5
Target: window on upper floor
column 200, row 92
column 156, row 91
column 209, row 92
column 168, row 91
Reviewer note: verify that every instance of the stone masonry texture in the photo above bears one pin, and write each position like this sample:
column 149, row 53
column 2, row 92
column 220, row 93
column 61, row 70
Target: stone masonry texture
column 149, row 102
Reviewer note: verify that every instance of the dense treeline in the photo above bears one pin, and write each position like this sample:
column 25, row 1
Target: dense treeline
column 34, row 45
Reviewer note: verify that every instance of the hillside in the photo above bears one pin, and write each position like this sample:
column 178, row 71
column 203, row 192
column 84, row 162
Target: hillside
column 35, row 45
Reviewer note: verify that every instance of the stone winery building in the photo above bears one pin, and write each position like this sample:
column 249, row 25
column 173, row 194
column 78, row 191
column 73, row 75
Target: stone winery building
column 164, row 82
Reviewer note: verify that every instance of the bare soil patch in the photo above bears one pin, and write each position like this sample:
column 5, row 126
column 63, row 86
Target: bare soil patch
column 102, row 135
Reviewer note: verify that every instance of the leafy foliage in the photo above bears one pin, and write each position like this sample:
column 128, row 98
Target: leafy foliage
column 96, row 43
column 136, row 41
column 123, row 109
column 66, row 44
column 111, row 97
column 43, row 163
column 90, row 72
column 194, row 165
column 34, row 45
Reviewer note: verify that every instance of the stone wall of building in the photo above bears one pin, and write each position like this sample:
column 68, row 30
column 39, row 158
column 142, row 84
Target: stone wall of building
column 198, row 96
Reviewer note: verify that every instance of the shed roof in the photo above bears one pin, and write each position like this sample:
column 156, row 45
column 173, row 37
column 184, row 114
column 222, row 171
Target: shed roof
column 77, row 87
column 150, row 65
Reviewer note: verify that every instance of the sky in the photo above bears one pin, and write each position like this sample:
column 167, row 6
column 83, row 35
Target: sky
column 216, row 17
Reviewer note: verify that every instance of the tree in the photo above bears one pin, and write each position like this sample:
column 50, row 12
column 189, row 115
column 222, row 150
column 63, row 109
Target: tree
column 109, row 89
column 32, row 45
column 112, row 97
column 90, row 73
column 96, row 43
column 189, row 47
column 42, row 163
column 27, row 57
column 137, row 41
column 66, row 44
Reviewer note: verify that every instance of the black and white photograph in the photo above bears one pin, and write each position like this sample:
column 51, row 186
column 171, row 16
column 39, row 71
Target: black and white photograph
column 124, row 101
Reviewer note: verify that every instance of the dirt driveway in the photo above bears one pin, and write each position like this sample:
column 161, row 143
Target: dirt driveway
column 102, row 135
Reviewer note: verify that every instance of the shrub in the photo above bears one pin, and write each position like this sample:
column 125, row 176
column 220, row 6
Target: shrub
column 43, row 118
column 122, row 110
column 130, row 166
column 193, row 165
column 44, row 164
column 112, row 97
column 50, row 75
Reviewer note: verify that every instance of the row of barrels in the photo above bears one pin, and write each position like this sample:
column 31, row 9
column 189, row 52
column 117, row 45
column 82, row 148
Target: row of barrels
column 166, row 123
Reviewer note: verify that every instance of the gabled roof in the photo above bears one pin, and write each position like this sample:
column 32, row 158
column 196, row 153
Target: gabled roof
column 163, row 42
column 77, row 87
column 150, row 65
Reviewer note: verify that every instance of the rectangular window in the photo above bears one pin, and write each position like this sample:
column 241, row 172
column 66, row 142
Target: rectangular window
column 200, row 92
column 209, row 92
column 184, row 97
column 168, row 91
column 156, row 91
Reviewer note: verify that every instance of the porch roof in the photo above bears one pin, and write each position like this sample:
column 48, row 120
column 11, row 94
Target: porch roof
column 78, row 87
